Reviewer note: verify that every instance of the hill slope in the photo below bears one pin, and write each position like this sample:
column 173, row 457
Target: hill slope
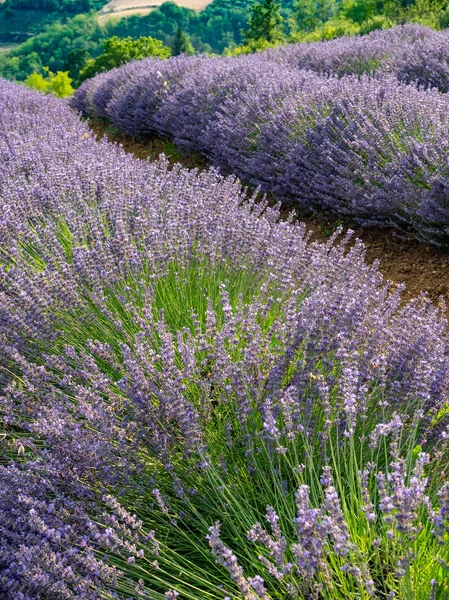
column 22, row 19
column 125, row 8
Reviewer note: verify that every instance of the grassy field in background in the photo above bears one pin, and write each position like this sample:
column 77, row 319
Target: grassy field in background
column 126, row 8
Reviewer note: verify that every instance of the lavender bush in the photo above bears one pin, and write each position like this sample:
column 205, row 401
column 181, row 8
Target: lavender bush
column 373, row 149
column 410, row 53
column 378, row 51
column 196, row 401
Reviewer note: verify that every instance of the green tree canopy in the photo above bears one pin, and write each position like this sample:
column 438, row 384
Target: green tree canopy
column 73, row 6
column 118, row 51
column 310, row 14
column 59, row 84
column 52, row 47
column 181, row 43
column 75, row 63
column 265, row 22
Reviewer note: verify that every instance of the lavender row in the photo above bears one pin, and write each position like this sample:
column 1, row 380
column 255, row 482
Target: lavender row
column 108, row 387
column 410, row 53
column 372, row 149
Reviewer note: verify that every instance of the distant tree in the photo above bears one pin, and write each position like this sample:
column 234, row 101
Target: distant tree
column 36, row 81
column 73, row 6
column 118, row 51
column 76, row 62
column 265, row 22
column 359, row 11
column 310, row 14
column 58, row 84
column 181, row 43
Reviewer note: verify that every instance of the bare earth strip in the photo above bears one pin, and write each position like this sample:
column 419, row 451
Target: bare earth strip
column 125, row 8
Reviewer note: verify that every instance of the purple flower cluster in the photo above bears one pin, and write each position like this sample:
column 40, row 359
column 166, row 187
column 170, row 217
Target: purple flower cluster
column 102, row 385
column 373, row 149
column 324, row 527
column 314, row 527
column 226, row 558
column 51, row 540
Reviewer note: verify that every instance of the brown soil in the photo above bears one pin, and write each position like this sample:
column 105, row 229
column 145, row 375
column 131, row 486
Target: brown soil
column 150, row 149
column 402, row 260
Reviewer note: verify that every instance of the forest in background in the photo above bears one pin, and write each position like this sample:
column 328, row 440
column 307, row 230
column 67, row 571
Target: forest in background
column 65, row 35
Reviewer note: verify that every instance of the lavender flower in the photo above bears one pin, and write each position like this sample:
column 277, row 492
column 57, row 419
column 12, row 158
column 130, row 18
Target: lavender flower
column 226, row 558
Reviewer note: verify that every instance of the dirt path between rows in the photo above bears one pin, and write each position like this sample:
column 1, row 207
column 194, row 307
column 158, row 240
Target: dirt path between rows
column 402, row 260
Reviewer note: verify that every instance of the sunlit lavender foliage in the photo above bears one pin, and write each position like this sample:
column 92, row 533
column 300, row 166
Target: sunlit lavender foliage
column 172, row 356
column 372, row 149
column 377, row 51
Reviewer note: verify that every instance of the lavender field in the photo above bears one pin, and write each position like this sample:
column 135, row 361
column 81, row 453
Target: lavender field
column 197, row 401
column 357, row 126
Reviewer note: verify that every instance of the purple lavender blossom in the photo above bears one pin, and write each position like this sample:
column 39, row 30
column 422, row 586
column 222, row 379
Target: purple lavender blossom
column 226, row 558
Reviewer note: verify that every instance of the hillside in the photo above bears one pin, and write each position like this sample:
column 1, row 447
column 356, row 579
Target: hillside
column 18, row 25
column 56, row 39
column 22, row 19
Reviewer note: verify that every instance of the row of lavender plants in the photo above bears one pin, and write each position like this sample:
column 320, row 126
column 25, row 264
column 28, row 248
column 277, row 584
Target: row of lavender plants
column 196, row 401
column 411, row 53
column 367, row 147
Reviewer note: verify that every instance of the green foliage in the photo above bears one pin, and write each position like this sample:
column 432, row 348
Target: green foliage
column 358, row 11
column 36, row 81
column 52, row 47
column 58, row 84
column 250, row 48
column 118, row 51
column 181, row 43
column 265, row 22
column 327, row 19
column 443, row 18
column 73, row 6
column 213, row 29
column 22, row 19
column 376, row 22
column 426, row 12
column 17, row 26
column 311, row 14
column 328, row 31
column 66, row 44
column 76, row 62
